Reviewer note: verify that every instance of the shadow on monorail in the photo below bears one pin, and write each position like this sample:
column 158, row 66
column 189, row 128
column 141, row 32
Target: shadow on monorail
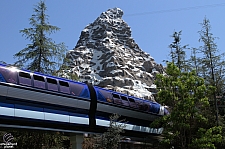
column 60, row 100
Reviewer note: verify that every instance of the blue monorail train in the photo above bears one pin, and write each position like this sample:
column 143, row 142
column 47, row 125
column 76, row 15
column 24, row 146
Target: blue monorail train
column 99, row 103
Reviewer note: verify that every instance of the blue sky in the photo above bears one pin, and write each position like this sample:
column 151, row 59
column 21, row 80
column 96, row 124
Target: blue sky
column 152, row 22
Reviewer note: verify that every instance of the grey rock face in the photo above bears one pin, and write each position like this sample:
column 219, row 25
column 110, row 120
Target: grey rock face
column 106, row 55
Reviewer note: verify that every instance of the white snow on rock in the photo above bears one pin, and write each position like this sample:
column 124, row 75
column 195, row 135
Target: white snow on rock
column 107, row 56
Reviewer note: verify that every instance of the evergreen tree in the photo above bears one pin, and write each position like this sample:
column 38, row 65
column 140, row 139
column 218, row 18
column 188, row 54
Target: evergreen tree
column 177, row 53
column 111, row 138
column 38, row 139
column 42, row 54
column 65, row 70
column 212, row 66
column 194, row 61
column 187, row 126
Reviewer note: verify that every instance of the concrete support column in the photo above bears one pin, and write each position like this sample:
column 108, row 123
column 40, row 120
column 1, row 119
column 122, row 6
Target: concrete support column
column 76, row 141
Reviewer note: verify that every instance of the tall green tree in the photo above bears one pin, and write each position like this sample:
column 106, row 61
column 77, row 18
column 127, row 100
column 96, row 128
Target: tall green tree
column 211, row 64
column 187, row 126
column 177, row 53
column 194, row 61
column 42, row 54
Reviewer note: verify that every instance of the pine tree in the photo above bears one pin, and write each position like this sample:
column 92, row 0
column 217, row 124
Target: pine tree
column 177, row 53
column 65, row 70
column 194, row 61
column 42, row 54
column 212, row 66
column 187, row 126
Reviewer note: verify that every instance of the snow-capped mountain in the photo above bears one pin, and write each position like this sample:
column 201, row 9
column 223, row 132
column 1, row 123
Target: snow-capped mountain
column 107, row 56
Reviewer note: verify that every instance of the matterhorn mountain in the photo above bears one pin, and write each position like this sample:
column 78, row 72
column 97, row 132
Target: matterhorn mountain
column 107, row 56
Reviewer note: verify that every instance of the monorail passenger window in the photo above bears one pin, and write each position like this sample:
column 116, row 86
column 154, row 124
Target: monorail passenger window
column 52, row 84
column 24, row 78
column 39, row 81
column 64, row 87
column 116, row 99
column 116, row 96
column 125, row 101
column 146, row 106
column 139, row 104
column 9, row 75
column 132, row 102
column 124, row 98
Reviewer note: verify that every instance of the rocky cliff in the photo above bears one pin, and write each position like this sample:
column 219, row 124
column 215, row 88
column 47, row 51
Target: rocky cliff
column 107, row 56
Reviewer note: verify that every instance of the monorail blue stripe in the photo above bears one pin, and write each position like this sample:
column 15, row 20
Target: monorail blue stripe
column 29, row 108
column 78, row 114
column 7, row 105
column 56, row 111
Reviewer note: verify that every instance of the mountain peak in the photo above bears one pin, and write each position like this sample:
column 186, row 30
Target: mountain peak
column 106, row 55
column 114, row 13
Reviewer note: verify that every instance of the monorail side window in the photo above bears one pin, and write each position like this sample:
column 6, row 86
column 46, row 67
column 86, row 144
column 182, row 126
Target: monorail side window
column 64, row 87
column 39, row 81
column 124, row 98
column 52, row 84
column 24, row 78
column 9, row 75
column 25, row 75
column 146, row 106
column 116, row 96
column 125, row 101
column 132, row 102
column 116, row 99
column 139, row 104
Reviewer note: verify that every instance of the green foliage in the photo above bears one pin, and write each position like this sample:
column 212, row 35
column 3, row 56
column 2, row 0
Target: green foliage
column 211, row 66
column 177, row 53
column 211, row 63
column 65, row 70
column 209, row 136
column 111, row 138
column 68, row 74
column 194, row 61
column 27, row 139
column 42, row 54
column 89, row 142
column 187, row 96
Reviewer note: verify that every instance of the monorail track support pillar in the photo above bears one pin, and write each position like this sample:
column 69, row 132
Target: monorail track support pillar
column 76, row 141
